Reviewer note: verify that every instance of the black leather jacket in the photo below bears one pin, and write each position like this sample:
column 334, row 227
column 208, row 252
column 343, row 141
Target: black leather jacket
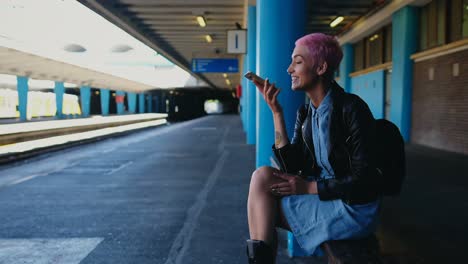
column 352, row 132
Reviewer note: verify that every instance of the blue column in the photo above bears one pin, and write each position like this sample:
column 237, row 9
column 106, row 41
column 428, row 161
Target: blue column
column 59, row 90
column 279, row 24
column 22, row 87
column 120, row 105
column 244, row 96
column 150, row 104
column 347, row 66
column 131, row 102
column 85, row 97
column 250, row 90
column 141, row 103
column 104, row 101
column 405, row 24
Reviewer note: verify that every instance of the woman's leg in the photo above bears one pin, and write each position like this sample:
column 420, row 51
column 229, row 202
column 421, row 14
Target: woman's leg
column 264, row 210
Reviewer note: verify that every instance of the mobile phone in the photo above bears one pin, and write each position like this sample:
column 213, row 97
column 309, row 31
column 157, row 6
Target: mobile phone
column 252, row 76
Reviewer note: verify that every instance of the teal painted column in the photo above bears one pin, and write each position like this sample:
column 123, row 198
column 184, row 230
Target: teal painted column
column 245, row 107
column 131, row 102
column 120, row 104
column 346, row 66
column 150, row 104
column 22, row 87
column 85, row 97
column 250, row 90
column 405, row 25
column 104, row 101
column 59, row 90
column 279, row 24
column 141, row 103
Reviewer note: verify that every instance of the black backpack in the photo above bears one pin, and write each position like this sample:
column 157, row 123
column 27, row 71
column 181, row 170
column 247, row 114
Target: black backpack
column 390, row 156
column 391, row 160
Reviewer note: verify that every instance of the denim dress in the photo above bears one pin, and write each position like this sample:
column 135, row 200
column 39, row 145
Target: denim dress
column 314, row 221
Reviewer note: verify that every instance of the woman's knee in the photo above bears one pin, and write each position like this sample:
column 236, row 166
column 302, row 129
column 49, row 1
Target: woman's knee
column 262, row 176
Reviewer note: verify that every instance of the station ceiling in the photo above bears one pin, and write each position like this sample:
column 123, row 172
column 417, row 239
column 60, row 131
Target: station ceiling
column 170, row 26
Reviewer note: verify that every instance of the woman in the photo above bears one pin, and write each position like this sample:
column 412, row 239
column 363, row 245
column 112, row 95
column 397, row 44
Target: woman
column 327, row 186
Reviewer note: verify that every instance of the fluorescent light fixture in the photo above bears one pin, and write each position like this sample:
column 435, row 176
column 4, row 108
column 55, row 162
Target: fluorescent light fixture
column 208, row 38
column 201, row 21
column 224, row 75
column 374, row 37
column 228, row 82
column 336, row 21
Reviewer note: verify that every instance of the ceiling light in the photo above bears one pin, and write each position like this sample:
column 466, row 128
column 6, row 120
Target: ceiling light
column 336, row 21
column 228, row 82
column 74, row 48
column 374, row 37
column 208, row 38
column 201, row 21
column 224, row 75
column 121, row 48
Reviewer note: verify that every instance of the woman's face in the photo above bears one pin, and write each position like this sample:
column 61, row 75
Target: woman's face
column 303, row 77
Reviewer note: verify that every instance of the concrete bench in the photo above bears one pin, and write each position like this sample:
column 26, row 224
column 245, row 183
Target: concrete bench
column 359, row 251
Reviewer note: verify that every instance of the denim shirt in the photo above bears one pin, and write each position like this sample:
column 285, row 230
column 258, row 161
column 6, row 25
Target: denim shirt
column 320, row 135
column 320, row 123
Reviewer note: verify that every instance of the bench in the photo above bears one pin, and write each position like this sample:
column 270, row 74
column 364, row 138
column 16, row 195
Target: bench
column 352, row 251
column 359, row 251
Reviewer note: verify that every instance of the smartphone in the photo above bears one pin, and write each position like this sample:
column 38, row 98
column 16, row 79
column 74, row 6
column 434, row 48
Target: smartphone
column 252, row 76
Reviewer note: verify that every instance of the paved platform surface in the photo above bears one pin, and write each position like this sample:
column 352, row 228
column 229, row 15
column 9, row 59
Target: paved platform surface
column 177, row 194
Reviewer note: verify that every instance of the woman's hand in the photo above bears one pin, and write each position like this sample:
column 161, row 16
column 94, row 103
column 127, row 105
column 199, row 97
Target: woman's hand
column 270, row 94
column 292, row 185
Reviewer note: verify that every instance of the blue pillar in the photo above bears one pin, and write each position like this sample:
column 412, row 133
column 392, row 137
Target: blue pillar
column 150, row 104
column 59, row 90
column 250, row 90
column 141, row 103
column 85, row 97
column 120, row 104
column 347, row 66
column 279, row 24
column 244, row 96
column 104, row 101
column 131, row 102
column 22, row 87
column 405, row 24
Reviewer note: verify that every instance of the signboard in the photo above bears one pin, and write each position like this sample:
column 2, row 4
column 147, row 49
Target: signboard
column 237, row 41
column 215, row 65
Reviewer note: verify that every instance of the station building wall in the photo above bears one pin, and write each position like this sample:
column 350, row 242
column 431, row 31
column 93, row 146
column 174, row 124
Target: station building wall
column 440, row 102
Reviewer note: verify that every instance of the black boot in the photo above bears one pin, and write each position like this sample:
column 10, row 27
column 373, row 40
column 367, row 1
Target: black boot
column 259, row 252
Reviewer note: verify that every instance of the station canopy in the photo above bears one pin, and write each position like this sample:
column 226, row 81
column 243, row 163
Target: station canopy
column 66, row 41
column 173, row 26
column 142, row 44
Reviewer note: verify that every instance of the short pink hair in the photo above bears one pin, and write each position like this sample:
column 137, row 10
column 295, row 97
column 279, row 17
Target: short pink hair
column 322, row 48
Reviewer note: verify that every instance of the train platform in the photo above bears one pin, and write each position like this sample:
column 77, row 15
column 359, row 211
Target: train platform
column 178, row 194
column 25, row 139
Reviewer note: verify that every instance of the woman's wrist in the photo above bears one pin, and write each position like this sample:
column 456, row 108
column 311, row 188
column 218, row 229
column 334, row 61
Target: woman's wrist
column 278, row 112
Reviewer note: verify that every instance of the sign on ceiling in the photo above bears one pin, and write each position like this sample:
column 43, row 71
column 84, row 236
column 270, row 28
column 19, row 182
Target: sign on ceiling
column 237, row 41
column 215, row 65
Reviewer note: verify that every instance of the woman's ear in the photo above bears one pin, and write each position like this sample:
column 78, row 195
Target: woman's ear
column 322, row 69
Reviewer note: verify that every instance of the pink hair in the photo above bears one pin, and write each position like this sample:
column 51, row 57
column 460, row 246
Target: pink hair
column 322, row 48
